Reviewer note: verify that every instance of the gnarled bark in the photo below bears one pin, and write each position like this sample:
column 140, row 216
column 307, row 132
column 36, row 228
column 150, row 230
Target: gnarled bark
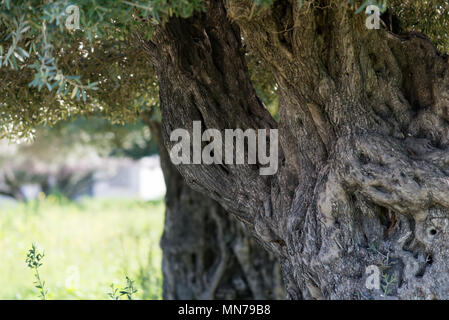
column 207, row 254
column 363, row 177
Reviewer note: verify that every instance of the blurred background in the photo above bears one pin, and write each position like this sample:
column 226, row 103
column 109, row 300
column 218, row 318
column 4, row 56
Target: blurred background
column 89, row 194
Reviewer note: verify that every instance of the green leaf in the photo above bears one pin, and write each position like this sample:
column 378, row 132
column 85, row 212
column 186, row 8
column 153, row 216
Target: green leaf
column 74, row 92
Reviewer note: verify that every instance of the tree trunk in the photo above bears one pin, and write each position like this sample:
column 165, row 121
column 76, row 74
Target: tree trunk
column 10, row 186
column 363, row 178
column 207, row 254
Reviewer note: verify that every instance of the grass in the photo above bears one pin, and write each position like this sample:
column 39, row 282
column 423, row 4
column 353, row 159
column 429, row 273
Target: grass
column 88, row 246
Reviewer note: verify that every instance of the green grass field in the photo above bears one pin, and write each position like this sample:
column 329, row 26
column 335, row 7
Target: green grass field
column 87, row 245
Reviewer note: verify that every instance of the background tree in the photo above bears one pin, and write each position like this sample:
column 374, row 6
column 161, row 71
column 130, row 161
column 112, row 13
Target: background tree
column 363, row 122
column 208, row 254
column 63, row 159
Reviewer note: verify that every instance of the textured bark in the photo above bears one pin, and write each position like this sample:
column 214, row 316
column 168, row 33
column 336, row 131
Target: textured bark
column 207, row 254
column 364, row 131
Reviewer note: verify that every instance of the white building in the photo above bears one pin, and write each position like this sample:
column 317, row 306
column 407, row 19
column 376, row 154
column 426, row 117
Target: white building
column 123, row 178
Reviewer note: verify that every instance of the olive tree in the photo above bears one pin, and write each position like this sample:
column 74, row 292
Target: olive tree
column 363, row 120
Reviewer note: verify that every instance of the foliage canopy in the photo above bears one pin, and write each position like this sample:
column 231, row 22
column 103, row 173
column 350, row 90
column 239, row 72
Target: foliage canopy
column 51, row 73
